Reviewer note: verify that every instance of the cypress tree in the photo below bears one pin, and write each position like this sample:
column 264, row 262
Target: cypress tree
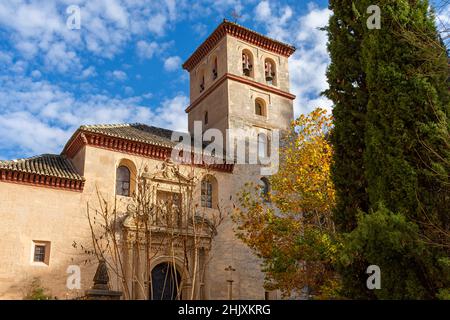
column 407, row 157
column 347, row 90
column 392, row 152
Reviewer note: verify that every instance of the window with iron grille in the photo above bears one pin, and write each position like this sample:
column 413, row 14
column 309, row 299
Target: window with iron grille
column 207, row 194
column 39, row 253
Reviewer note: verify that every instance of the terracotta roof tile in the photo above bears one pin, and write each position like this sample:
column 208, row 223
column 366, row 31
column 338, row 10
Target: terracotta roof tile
column 47, row 164
column 135, row 132
column 240, row 32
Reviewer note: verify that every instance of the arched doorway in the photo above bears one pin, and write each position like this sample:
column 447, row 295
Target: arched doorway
column 165, row 282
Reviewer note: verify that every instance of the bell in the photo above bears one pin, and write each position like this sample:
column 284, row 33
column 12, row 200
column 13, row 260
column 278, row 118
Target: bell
column 269, row 77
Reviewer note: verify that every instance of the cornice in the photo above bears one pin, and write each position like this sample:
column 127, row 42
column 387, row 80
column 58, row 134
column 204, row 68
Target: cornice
column 122, row 145
column 242, row 33
column 34, row 179
column 250, row 82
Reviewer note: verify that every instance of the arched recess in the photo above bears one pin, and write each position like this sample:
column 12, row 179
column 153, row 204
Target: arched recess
column 214, row 68
column 178, row 264
column 166, row 282
column 260, row 107
column 264, row 187
column 126, row 175
column 248, row 63
column 270, row 72
column 201, row 79
column 209, row 192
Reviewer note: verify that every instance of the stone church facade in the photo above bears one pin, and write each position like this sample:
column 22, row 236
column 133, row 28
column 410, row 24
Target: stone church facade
column 239, row 79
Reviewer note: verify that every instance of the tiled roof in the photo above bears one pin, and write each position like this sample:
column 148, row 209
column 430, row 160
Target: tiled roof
column 240, row 32
column 291, row 47
column 140, row 139
column 47, row 165
column 135, row 132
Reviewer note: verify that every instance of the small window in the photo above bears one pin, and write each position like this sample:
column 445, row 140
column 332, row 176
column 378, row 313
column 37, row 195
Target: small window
column 202, row 83
column 41, row 252
column 207, row 193
column 270, row 72
column 123, row 181
column 260, row 107
column 247, row 63
column 206, row 118
column 214, row 71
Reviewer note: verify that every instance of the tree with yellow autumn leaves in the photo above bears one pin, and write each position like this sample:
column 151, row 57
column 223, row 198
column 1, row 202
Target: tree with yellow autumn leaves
column 291, row 229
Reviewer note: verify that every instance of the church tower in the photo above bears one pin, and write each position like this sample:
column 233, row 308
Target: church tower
column 239, row 79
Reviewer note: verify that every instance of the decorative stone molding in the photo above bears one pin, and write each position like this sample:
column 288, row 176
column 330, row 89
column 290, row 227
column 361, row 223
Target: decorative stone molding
column 252, row 83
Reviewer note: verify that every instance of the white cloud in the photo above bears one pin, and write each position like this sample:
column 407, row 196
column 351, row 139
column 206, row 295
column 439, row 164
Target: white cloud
column 35, row 138
column 171, row 114
column 117, row 13
column 200, row 29
column 6, row 58
column 157, row 24
column 36, row 74
column 52, row 114
column 19, row 67
column 119, row 75
column 128, row 90
column 172, row 63
column 146, row 49
column 309, row 64
column 275, row 18
column 88, row 72
column 37, row 29
column 262, row 10
column 60, row 58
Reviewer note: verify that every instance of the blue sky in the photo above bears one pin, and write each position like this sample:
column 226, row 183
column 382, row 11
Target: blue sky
column 124, row 64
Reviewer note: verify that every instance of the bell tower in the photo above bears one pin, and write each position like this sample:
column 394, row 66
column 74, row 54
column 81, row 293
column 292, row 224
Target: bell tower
column 239, row 79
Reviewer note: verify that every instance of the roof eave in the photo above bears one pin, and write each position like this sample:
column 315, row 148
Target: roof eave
column 238, row 31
